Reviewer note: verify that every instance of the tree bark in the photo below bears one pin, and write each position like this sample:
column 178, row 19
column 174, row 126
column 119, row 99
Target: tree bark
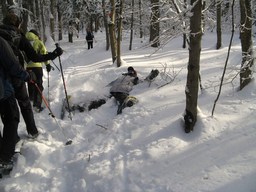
column 140, row 12
column 132, row 18
column 154, row 24
column 112, row 33
column 119, row 33
column 246, row 43
column 184, row 24
column 52, row 18
column 218, row 29
column 193, row 66
column 59, row 22
column 42, row 19
column 105, row 24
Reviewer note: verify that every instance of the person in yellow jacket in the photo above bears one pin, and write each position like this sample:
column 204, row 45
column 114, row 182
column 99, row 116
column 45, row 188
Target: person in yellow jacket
column 36, row 67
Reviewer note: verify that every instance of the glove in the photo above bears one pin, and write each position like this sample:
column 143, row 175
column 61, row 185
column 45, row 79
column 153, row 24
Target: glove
column 31, row 77
column 58, row 51
column 48, row 67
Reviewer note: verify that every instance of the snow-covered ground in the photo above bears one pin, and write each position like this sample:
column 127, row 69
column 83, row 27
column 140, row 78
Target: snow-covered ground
column 145, row 149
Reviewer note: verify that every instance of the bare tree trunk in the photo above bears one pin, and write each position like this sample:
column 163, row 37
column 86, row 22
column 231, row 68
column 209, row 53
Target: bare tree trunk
column 154, row 24
column 42, row 18
column 218, row 29
column 52, row 18
column 184, row 24
column 105, row 24
column 38, row 18
column 226, row 62
column 59, row 21
column 112, row 33
column 119, row 34
column 193, row 66
column 132, row 18
column 140, row 12
column 32, row 15
column 246, row 43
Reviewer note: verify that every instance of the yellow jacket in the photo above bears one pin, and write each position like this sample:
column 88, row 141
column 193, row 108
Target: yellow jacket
column 38, row 46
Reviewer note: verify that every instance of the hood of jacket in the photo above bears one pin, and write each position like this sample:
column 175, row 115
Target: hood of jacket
column 31, row 36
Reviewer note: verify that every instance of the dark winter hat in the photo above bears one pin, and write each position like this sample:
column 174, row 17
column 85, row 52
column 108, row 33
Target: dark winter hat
column 12, row 19
column 35, row 32
column 130, row 69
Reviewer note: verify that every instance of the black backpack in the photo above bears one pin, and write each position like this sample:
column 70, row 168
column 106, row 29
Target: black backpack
column 89, row 36
column 13, row 38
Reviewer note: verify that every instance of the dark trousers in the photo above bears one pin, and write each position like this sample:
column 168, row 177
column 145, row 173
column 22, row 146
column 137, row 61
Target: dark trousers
column 10, row 118
column 90, row 44
column 34, row 94
column 70, row 37
column 120, row 97
column 21, row 95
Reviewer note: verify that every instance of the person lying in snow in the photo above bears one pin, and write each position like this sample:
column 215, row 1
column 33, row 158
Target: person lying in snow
column 120, row 89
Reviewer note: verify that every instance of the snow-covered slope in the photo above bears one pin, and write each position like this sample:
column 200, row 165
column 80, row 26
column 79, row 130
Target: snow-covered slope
column 144, row 148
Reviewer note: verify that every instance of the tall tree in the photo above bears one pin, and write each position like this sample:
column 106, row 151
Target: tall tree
column 132, row 19
column 38, row 18
column 52, row 18
column 119, row 32
column 184, row 24
column 42, row 16
column 191, row 91
column 112, row 30
column 140, row 12
column 24, row 26
column 60, row 26
column 154, row 24
column 105, row 24
column 218, row 29
column 246, row 42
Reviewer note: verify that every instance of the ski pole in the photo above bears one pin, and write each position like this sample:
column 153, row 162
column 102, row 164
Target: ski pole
column 55, row 65
column 48, row 87
column 64, row 85
column 69, row 141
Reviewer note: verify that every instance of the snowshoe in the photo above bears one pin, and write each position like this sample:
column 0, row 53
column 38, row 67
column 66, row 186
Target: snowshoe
column 5, row 167
column 128, row 102
column 153, row 74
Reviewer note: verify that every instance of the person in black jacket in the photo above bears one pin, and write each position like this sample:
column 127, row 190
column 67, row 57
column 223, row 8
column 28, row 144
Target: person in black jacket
column 20, row 44
column 9, row 68
column 89, row 38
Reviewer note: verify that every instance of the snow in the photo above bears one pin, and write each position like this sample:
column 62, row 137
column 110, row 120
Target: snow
column 145, row 148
